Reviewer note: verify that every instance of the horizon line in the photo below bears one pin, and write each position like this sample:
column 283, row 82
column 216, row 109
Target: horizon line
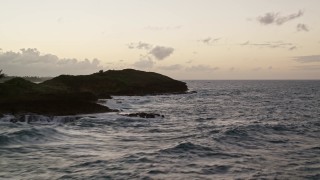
column 248, row 79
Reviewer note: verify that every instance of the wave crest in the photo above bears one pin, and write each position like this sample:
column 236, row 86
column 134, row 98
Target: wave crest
column 30, row 136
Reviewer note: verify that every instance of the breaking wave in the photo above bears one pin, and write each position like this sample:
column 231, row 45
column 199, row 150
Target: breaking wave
column 34, row 135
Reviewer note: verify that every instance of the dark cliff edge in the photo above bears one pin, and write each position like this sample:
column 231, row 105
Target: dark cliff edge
column 71, row 95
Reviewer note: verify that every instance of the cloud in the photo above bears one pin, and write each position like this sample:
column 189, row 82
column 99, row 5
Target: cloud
column 292, row 48
column 201, row 68
column 245, row 43
column 308, row 67
column 302, row 27
column 171, row 67
column 268, row 18
column 307, row 59
column 145, row 62
column 283, row 19
column 275, row 44
column 206, row 41
column 161, row 52
column 140, row 45
column 277, row 19
column 32, row 63
column 209, row 40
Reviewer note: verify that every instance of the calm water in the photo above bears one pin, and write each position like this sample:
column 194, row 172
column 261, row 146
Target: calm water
column 227, row 130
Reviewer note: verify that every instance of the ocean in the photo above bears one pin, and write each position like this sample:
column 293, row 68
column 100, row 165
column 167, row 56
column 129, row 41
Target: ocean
column 224, row 130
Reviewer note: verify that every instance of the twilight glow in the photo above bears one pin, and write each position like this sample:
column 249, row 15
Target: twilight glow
column 184, row 39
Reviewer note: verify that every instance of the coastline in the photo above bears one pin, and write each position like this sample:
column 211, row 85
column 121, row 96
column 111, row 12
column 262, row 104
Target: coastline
column 73, row 95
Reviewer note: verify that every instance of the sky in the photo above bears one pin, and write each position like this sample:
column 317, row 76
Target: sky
column 183, row 39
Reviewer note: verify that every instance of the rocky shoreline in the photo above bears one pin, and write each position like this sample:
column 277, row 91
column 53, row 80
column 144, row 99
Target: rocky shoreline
column 144, row 115
column 72, row 95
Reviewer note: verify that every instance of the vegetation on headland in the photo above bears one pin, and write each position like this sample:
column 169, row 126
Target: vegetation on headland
column 35, row 79
column 69, row 95
column 118, row 82
column 2, row 75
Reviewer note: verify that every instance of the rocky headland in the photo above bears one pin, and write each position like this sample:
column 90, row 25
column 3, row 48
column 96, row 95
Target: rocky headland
column 71, row 95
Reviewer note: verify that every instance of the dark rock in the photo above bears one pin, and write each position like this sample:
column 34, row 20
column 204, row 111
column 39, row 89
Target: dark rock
column 14, row 120
column 104, row 96
column 54, row 108
column 144, row 115
column 192, row 92
column 71, row 95
column 53, row 104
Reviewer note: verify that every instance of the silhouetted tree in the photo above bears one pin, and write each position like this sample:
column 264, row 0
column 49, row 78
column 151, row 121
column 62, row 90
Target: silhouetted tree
column 101, row 71
column 2, row 75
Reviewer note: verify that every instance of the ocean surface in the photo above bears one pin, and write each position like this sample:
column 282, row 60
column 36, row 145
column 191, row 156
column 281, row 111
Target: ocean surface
column 226, row 130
